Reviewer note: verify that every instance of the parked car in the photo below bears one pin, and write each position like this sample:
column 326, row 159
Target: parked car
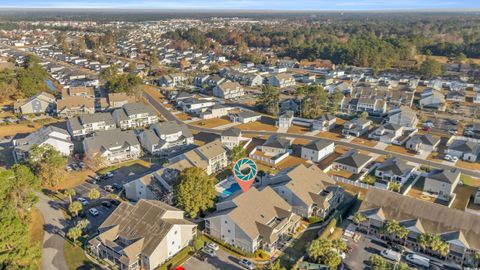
column 391, row 255
column 418, row 260
column 68, row 168
column 246, row 263
column 93, row 211
column 116, row 186
column 209, row 251
column 108, row 188
column 109, row 174
column 212, row 246
column 75, row 166
column 114, row 202
column 451, row 158
column 107, row 204
column 83, row 201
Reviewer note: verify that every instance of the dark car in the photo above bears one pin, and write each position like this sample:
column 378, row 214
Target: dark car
column 114, row 202
column 107, row 204
column 116, row 186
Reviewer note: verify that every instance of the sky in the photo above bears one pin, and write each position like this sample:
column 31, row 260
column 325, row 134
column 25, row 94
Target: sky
column 248, row 4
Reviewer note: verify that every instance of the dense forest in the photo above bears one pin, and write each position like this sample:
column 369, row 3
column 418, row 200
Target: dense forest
column 376, row 42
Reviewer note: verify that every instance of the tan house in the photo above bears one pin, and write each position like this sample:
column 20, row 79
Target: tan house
column 211, row 157
column 142, row 236
column 40, row 103
column 250, row 227
column 79, row 91
column 70, row 106
column 117, row 100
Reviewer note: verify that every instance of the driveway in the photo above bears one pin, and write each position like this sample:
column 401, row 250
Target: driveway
column 222, row 261
column 52, row 252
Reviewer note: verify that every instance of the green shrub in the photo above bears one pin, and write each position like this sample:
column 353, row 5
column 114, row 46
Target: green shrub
column 259, row 253
column 315, row 219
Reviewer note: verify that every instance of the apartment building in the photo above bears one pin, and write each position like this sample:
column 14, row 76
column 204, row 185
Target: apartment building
column 165, row 138
column 87, row 124
column 211, row 157
column 113, row 145
column 134, row 115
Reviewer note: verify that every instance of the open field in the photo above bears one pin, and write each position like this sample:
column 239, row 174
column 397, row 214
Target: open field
column 13, row 129
column 364, row 142
column 211, row 123
column 298, row 129
column 265, row 123
column 399, row 149
column 468, row 165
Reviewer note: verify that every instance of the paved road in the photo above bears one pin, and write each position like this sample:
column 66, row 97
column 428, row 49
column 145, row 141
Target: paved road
column 52, row 253
column 171, row 117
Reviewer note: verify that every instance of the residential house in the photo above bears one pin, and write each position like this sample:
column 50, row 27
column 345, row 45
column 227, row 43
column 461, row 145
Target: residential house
column 228, row 90
column 245, row 117
column 197, row 106
column 403, row 116
column 275, row 145
column 78, row 91
column 86, row 124
column 40, row 103
column 442, row 182
column 52, row 136
column 464, row 149
column 422, row 143
column 476, row 198
column 393, row 170
column 352, row 161
column 216, row 111
column 171, row 80
column 356, row 127
column 237, row 223
column 317, row 150
column 134, row 115
column 458, row 228
column 326, row 122
column 392, row 133
column 472, row 130
column 282, row 80
column 432, row 99
column 165, row 138
column 211, row 157
column 285, row 119
column 289, row 105
column 71, row 106
column 476, row 98
column 231, row 137
column 309, row 190
column 142, row 236
column 117, row 100
column 113, row 145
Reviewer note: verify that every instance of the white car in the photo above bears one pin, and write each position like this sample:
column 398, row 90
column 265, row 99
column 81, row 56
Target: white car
column 209, row 251
column 93, row 211
column 83, row 201
column 212, row 245
column 247, row 264
column 391, row 255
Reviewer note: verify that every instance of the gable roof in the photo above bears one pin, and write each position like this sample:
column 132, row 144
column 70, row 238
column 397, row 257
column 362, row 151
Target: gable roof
column 353, row 158
column 435, row 218
column 446, row 176
column 394, row 166
column 318, row 145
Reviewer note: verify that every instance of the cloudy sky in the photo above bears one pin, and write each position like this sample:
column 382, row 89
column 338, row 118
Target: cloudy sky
column 248, row 4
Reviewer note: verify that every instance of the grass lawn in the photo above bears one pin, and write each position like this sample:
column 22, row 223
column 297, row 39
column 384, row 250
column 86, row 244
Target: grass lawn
column 298, row 129
column 75, row 178
column 176, row 260
column 399, row 149
column 468, row 165
column 35, row 228
column 13, row 129
column 125, row 164
column 75, row 257
column 470, row 181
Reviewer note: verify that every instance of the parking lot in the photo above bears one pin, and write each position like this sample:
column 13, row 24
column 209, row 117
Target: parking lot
column 367, row 246
column 223, row 261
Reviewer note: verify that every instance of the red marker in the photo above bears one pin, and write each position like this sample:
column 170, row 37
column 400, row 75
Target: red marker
column 245, row 180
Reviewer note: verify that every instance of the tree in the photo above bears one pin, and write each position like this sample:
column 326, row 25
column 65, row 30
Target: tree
column 314, row 101
column 276, row 266
column 154, row 58
column 69, row 192
column 74, row 233
column 359, row 218
column 75, row 207
column 433, row 242
column 95, row 161
column 394, row 186
column 335, row 100
column 16, row 199
column 269, row 99
column 82, row 224
column 195, row 191
column 369, row 179
column 237, row 153
column 93, row 194
column 393, row 228
column 430, row 68
column 378, row 263
column 326, row 251
column 48, row 164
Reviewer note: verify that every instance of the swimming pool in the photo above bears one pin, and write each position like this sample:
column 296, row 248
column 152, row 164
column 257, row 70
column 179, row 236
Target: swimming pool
column 231, row 189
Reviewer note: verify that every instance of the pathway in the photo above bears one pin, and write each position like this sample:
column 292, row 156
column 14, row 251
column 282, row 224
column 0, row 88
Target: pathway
column 53, row 257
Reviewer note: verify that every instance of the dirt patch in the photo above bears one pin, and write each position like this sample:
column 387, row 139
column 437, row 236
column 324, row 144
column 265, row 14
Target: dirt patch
column 399, row 149
column 364, row 142
column 265, row 123
column 468, row 165
column 298, row 129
